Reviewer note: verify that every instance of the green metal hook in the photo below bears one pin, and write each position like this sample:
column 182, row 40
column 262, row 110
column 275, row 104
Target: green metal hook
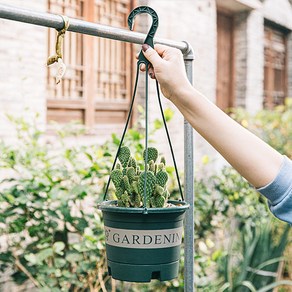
column 151, row 32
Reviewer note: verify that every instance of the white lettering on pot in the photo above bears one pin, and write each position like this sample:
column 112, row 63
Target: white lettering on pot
column 163, row 238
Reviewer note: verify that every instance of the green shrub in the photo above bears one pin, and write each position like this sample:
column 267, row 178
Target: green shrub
column 257, row 240
column 53, row 232
column 273, row 126
column 237, row 238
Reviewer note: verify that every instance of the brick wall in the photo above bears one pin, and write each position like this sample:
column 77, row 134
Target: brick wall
column 255, row 61
column 240, row 43
column 249, row 45
column 23, row 53
column 195, row 22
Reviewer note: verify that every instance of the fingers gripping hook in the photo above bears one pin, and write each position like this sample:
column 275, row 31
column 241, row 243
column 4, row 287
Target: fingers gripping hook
column 151, row 32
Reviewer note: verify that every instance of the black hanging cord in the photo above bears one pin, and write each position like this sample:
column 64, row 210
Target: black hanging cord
column 146, row 135
column 169, row 141
column 125, row 129
column 143, row 60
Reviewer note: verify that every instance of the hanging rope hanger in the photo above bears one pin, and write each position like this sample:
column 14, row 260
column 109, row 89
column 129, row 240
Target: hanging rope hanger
column 143, row 60
column 58, row 57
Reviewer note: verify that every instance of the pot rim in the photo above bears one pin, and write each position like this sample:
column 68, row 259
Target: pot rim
column 107, row 206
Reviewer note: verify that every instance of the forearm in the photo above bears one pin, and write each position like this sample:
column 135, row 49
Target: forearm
column 250, row 156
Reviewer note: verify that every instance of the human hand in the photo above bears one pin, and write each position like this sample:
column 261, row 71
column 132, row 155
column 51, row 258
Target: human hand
column 167, row 66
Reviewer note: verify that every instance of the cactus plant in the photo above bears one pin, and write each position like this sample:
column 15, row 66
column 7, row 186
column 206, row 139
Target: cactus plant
column 125, row 200
column 162, row 178
column 152, row 154
column 132, row 162
column 116, row 177
column 131, row 174
column 127, row 184
column 124, row 155
column 150, row 185
column 158, row 190
column 136, row 200
column 166, row 195
column 159, row 201
column 129, row 180
column 152, row 166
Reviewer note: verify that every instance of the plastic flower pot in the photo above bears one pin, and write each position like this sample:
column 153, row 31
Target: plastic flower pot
column 142, row 246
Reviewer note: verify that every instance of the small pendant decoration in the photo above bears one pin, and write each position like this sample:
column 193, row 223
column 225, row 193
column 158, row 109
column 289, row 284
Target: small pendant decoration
column 58, row 57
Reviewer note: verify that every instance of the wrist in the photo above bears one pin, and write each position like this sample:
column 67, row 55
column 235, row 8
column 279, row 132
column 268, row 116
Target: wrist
column 182, row 93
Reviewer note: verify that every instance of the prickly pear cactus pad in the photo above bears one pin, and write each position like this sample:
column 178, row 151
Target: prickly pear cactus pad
column 150, row 185
column 152, row 154
column 129, row 180
column 124, row 155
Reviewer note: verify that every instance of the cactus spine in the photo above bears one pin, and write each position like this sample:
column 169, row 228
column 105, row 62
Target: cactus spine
column 129, row 180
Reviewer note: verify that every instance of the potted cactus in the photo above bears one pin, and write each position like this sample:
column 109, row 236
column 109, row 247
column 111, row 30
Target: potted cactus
column 143, row 228
column 129, row 180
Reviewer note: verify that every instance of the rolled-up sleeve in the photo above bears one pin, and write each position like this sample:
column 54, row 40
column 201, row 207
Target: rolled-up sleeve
column 279, row 192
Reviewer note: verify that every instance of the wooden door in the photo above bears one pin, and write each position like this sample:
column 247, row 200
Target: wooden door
column 275, row 78
column 225, row 61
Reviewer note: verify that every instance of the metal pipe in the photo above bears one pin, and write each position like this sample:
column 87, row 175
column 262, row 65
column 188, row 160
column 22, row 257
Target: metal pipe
column 189, row 189
column 80, row 26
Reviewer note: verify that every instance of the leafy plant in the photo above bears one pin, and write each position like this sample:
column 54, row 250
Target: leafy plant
column 53, row 235
column 251, row 261
column 229, row 210
column 253, row 265
column 273, row 126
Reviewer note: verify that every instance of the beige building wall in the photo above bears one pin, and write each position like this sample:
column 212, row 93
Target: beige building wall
column 194, row 22
column 23, row 53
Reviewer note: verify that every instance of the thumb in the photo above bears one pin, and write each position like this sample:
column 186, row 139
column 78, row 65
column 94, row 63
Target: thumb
column 151, row 55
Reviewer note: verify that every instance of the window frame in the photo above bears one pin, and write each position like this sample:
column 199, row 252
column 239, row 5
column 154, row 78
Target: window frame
column 91, row 110
column 269, row 99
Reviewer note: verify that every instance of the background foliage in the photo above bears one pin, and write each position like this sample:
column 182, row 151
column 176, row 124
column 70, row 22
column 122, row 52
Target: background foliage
column 52, row 235
column 273, row 126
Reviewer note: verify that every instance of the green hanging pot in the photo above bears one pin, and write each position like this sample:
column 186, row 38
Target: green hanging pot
column 140, row 245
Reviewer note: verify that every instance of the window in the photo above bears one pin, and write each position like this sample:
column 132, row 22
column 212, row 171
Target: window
column 97, row 85
column 275, row 78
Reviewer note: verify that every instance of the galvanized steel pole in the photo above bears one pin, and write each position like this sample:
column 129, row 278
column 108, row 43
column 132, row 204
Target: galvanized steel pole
column 80, row 26
column 94, row 29
column 189, row 188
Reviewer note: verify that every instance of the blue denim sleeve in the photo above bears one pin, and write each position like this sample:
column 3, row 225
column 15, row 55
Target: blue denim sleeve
column 279, row 192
